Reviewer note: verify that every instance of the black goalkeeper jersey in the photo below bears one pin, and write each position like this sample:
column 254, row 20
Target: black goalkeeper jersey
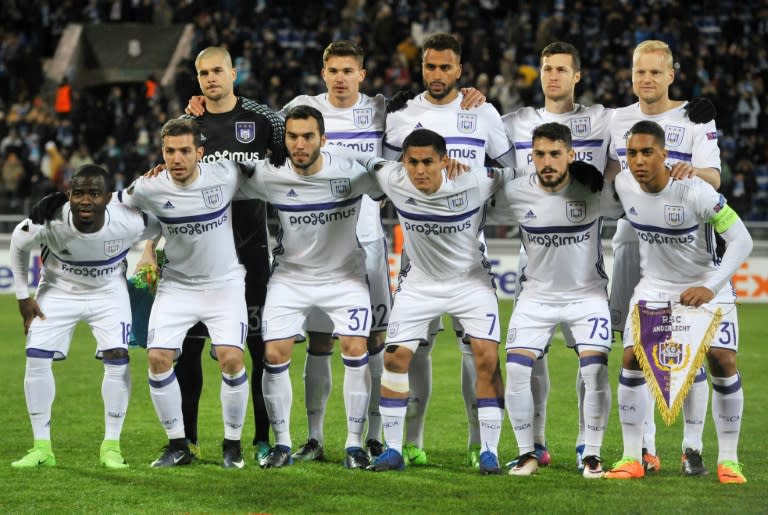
column 245, row 133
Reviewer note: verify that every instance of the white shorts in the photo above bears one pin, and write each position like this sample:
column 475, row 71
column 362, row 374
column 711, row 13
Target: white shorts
column 421, row 300
column 624, row 278
column 346, row 302
column 175, row 310
column 533, row 323
column 377, row 272
column 108, row 315
column 727, row 333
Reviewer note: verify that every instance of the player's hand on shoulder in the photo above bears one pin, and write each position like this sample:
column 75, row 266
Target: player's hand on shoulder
column 29, row 309
column 455, row 168
column 45, row 209
column 398, row 101
column 154, row 171
column 682, row 170
column 696, row 296
column 196, row 106
column 700, row 110
column 587, row 174
column 472, row 98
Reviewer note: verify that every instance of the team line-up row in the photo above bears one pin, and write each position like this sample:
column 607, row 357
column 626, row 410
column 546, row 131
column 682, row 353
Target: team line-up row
column 330, row 241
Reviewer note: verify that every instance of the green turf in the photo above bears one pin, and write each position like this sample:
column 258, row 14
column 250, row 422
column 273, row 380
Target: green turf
column 78, row 484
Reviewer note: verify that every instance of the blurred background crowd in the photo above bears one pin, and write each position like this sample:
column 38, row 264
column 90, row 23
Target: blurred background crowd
column 720, row 48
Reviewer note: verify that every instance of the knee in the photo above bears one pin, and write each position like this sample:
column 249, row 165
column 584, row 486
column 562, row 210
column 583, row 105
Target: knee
column 277, row 352
column 519, row 369
column 629, row 361
column 397, row 359
column 376, row 341
column 231, row 361
column 36, row 366
column 722, row 362
column 159, row 362
column 354, row 346
column 485, row 355
column 594, row 370
column 115, row 354
column 320, row 343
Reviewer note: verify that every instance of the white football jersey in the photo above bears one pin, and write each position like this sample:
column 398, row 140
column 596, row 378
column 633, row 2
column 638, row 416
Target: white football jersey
column 560, row 232
column 694, row 143
column 469, row 134
column 360, row 128
column 589, row 130
column 196, row 221
column 442, row 230
column 677, row 242
column 685, row 141
column 75, row 262
column 316, row 240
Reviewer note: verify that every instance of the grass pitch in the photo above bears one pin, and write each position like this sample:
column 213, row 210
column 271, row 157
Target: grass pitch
column 79, row 484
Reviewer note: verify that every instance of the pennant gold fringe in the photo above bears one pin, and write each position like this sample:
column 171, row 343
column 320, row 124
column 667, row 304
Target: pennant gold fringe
column 669, row 414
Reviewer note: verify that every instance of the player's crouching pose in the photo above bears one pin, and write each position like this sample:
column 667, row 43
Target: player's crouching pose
column 442, row 223
column 83, row 252
column 318, row 265
column 679, row 264
column 564, row 283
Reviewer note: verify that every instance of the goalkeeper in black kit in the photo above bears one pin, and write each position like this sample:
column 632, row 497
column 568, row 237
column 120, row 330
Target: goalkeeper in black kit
column 239, row 129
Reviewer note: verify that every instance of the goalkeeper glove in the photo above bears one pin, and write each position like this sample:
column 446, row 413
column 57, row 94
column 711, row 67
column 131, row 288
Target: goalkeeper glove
column 587, row 175
column 398, row 100
column 45, row 208
column 700, row 110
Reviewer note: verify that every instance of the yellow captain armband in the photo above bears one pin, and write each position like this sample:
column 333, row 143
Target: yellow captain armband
column 724, row 219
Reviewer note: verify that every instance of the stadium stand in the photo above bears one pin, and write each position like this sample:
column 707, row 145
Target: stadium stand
column 47, row 129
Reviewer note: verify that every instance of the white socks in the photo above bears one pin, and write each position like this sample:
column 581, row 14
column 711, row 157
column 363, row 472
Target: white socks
column 420, row 380
column 317, row 389
column 633, row 407
column 357, row 392
column 40, row 391
column 116, row 393
column 234, row 402
column 540, row 390
column 166, row 397
column 519, row 400
column 695, row 412
column 727, row 408
column 278, row 398
column 594, row 372
column 468, row 385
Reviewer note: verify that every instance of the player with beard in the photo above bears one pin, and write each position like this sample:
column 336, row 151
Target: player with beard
column 471, row 136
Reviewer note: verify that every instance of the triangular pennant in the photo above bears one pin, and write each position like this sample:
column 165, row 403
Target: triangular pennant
column 670, row 343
